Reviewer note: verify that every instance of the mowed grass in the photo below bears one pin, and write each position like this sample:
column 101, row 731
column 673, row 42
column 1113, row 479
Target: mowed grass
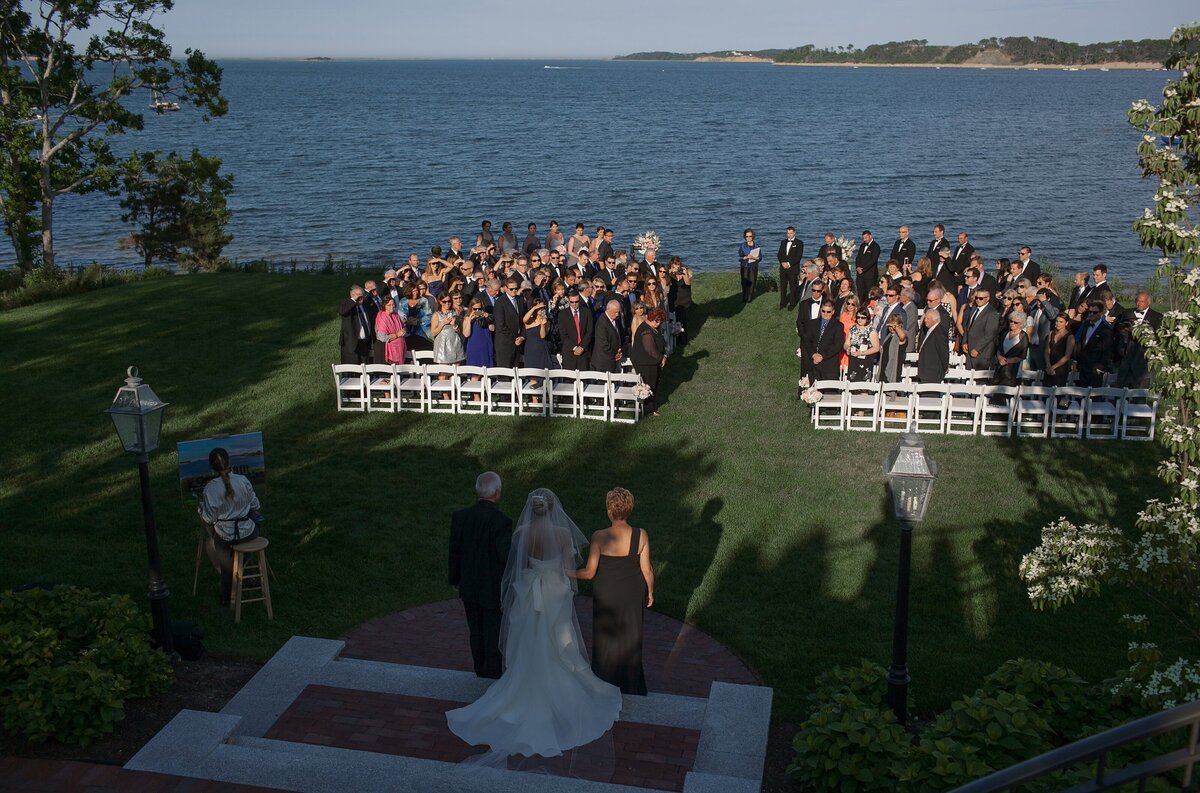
column 772, row 537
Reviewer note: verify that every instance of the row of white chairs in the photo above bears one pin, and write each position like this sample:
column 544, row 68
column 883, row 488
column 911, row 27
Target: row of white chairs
column 493, row 390
column 970, row 409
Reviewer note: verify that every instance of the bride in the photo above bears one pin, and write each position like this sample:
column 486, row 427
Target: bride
column 548, row 701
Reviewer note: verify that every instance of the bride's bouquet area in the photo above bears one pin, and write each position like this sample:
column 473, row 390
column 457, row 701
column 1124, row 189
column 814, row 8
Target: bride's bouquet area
column 647, row 240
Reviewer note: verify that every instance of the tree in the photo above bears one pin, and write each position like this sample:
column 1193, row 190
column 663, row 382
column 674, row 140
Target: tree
column 179, row 205
column 1160, row 557
column 77, row 98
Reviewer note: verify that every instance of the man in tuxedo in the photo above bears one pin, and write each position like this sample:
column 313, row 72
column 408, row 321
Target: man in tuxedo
column 606, row 344
column 943, row 270
column 933, row 349
column 826, row 338
column 866, row 266
column 961, row 259
column 981, row 329
column 1029, row 268
column 1093, row 351
column 575, row 330
column 509, row 337
column 830, row 249
column 358, row 328
column 1079, row 294
column 1100, row 285
column 1132, row 371
column 808, row 316
column 791, row 253
column 937, row 245
column 479, row 539
column 609, row 272
column 904, row 250
column 650, row 266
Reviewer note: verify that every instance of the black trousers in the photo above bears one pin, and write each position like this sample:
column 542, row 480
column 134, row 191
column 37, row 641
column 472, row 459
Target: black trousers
column 681, row 316
column 649, row 375
column 484, row 626
column 749, row 277
column 789, row 284
column 863, row 283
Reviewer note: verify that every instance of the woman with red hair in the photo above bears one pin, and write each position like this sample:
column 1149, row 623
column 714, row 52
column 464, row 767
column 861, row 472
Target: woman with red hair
column 649, row 354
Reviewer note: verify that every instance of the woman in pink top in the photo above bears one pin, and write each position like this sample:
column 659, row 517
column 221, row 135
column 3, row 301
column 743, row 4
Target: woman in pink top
column 389, row 333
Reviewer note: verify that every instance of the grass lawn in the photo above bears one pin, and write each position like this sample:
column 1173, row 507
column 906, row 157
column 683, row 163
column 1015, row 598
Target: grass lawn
column 772, row 537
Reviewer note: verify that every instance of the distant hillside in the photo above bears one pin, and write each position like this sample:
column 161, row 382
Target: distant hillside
column 1011, row 51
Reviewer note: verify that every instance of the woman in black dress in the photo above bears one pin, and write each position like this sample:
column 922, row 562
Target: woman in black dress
column 1060, row 349
column 619, row 561
column 649, row 354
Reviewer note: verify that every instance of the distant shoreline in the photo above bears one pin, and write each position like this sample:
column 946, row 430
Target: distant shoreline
column 1088, row 67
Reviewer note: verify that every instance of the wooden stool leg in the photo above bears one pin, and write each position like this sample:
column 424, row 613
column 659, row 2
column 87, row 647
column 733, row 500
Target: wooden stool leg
column 236, row 600
column 196, row 576
column 262, row 580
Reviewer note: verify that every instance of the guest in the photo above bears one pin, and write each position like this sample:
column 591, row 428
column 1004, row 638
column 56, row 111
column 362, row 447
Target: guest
column 862, row 345
column 536, row 328
column 681, row 290
column 509, row 335
column 1060, row 350
column 575, row 327
column 357, row 328
column 791, row 253
column 846, row 314
column 531, row 243
column 619, row 561
column 808, row 318
column 414, row 310
column 1093, row 349
column 904, row 250
column 390, row 346
column 866, row 264
column 1079, row 294
column 1013, row 347
column 477, row 330
column 845, row 290
column 825, row 341
column 578, row 243
column 908, row 301
column 648, row 353
column 480, row 536
column 639, row 310
column 933, row 348
column 507, row 243
column 448, row 348
column 652, row 294
column 485, row 236
column 891, row 364
column 1133, row 371
column 981, row 327
column 605, row 248
column 749, row 255
column 554, row 237
column 606, row 345
column 922, row 276
column 229, row 510
column 1025, row 266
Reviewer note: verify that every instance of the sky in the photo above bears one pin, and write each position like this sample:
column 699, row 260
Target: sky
column 537, row 29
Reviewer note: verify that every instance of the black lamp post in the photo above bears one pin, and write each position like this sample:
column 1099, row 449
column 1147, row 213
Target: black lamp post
column 137, row 414
column 910, row 475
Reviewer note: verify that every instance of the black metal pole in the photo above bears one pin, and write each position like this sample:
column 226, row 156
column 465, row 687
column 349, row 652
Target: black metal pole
column 159, row 611
column 898, row 678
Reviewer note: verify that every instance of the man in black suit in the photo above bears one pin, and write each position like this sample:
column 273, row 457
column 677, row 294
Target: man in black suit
column 866, row 266
column 791, row 253
column 961, row 259
column 830, row 247
column 904, row 250
column 1093, row 352
column 575, row 330
column 981, row 329
column 1132, row 370
column 808, row 317
column 609, row 271
column 938, row 244
column 509, row 337
column 1079, row 294
column 358, row 328
column 943, row 271
column 605, row 249
column 933, row 350
column 1029, row 268
column 824, row 343
column 649, row 267
column 479, row 541
column 986, row 280
column 606, row 340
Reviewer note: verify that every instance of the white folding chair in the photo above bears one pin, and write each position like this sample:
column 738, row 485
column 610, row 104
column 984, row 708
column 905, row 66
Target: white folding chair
column 998, row 407
column 564, row 392
column 501, row 391
column 896, row 407
column 594, row 398
column 829, row 413
column 1033, row 411
column 1028, row 376
column 350, row 385
column 409, row 384
column 531, row 392
column 908, row 374
column 472, row 389
column 929, row 407
column 963, row 411
column 957, row 375
column 381, row 388
column 957, row 360
column 912, row 358
column 625, row 407
column 862, row 406
column 1139, row 414
column 441, row 392
column 422, row 357
column 1102, row 420
column 1068, row 408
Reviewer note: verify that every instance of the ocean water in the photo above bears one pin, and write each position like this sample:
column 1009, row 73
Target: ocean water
column 372, row 160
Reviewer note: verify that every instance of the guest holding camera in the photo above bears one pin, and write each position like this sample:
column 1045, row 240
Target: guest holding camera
column 536, row 324
column 477, row 330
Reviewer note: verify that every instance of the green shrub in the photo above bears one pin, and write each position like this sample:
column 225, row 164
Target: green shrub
column 866, row 682
column 1004, row 728
column 69, row 658
column 938, row 764
column 1060, row 696
column 851, row 747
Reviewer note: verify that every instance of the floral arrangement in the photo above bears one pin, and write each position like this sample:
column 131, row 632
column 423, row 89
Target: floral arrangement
column 847, row 245
column 642, row 392
column 647, row 240
column 811, row 395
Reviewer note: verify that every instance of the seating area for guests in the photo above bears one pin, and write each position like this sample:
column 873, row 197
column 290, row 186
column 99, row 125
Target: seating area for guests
column 425, row 387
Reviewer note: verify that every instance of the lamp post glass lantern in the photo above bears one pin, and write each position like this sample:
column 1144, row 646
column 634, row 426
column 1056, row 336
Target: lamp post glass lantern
column 910, row 474
column 137, row 415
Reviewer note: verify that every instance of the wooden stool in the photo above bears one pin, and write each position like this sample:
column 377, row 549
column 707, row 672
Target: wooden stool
column 254, row 570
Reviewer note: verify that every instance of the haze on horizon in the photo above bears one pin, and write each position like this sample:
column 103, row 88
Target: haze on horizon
column 542, row 29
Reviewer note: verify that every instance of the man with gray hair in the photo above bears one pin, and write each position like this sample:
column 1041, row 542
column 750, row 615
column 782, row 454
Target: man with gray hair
column 908, row 301
column 606, row 344
column 479, row 540
column 358, row 329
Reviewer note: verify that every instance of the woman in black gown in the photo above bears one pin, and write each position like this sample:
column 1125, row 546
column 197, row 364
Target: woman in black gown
column 619, row 561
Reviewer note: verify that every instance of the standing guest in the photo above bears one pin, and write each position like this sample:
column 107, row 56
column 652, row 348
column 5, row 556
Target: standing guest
column 808, row 317
column 749, row 255
column 477, row 329
column 489, row 296
column 652, row 294
column 1054, row 303
column 372, row 300
column 229, row 510
column 1079, row 294
column 809, row 274
column 640, row 310
column 1028, row 267
column 844, row 291
column 826, row 344
column 1041, row 318
column 606, row 344
column 884, row 310
column 922, row 277
column 554, row 237
column 509, row 333
column 908, row 301
column 414, row 310
column 846, row 312
column 963, row 253
column 507, row 243
column 650, row 266
column 966, row 292
column 448, row 348
column 558, row 303
column 894, row 344
column 597, row 240
column 830, row 248
column 938, row 244
column 575, row 329
column 944, row 271
column 681, row 287
column 531, row 243
column 1093, row 351
column 1132, row 371
column 933, row 348
column 479, row 541
column 648, row 353
column 1003, row 276
column 904, row 250
column 357, row 328
column 866, row 264
column 986, row 279
column 791, row 253
column 605, row 249
column 536, row 329
column 1059, row 351
column 390, row 346
column 619, row 561
column 1099, row 282
column 577, row 244
column 981, row 328
column 485, row 237
column 1014, row 345
column 862, row 345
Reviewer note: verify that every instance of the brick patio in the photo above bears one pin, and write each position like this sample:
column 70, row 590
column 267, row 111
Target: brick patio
column 19, row 775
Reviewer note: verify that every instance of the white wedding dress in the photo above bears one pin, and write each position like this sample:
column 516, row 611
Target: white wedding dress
column 548, row 701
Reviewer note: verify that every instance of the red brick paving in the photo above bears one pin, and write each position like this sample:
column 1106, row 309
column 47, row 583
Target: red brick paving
column 677, row 658
column 645, row 755
column 18, row 775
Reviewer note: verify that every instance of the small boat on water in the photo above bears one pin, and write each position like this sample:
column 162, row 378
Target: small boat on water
column 159, row 105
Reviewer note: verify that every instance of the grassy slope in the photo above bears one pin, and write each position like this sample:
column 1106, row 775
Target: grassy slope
column 768, row 535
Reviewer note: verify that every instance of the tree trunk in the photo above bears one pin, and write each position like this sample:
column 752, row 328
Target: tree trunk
column 47, row 218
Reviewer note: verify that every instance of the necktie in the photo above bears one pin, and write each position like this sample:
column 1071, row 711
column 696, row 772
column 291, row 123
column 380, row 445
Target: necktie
column 362, row 318
column 578, row 334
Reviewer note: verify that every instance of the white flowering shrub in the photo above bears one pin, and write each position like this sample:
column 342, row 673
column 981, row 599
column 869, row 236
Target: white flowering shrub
column 1160, row 557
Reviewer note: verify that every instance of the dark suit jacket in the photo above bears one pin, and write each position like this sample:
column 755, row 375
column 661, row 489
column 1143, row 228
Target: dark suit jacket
column 566, row 332
column 611, row 276
column 867, row 259
column 604, row 250
column 904, row 250
column 981, row 334
column 479, row 540
column 988, row 281
column 934, row 247
column 933, row 356
column 804, row 323
column 606, row 343
column 828, row 249
column 945, row 275
column 911, row 326
column 349, row 341
column 961, row 256
column 1031, row 271
column 1095, row 354
column 508, row 321
column 794, row 256
column 828, row 345
column 1129, row 317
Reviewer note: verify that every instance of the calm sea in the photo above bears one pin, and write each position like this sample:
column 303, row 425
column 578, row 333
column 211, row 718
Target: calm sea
column 372, row 160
